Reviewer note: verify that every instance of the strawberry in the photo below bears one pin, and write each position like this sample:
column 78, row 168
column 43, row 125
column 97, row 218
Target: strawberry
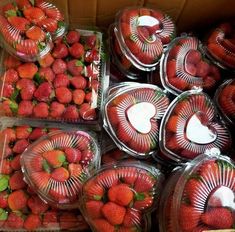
column 41, row 179
column 75, row 67
column 54, row 157
column 113, row 116
column 63, row 95
column 123, row 134
column 93, row 190
column 27, row 70
column 229, row 59
column 36, row 205
column 43, row 92
column 10, row 76
column 92, row 56
column 56, row 109
column 37, row 163
column 15, row 163
column 9, row 134
column 61, row 80
column 202, row 69
column 108, row 178
column 73, row 155
column 90, row 41
column 93, row 209
column 20, row 146
column 32, row 222
column 3, row 199
column 50, row 219
column 41, row 110
column 37, row 133
column 58, row 195
column 29, row 47
column 25, row 108
column 120, row 194
column 128, row 175
column 72, row 37
column 113, row 213
column 78, row 82
column 14, row 221
column 16, row 181
column 142, row 201
column 34, row 14
column 191, row 69
column 172, row 123
column 60, row 51
column 9, row 108
column 11, row 62
column 144, row 183
column 89, row 98
column 27, row 88
column 22, row 4
column 71, row 113
column 75, row 170
column 87, row 112
column 208, row 82
column 173, row 53
column 19, row 23
column 77, row 50
column 133, row 47
column 216, row 50
column 188, row 217
column 193, row 57
column 50, row 25
column 68, row 220
column 46, row 74
column 53, row 13
column 8, row 90
column 209, row 170
column 102, row 225
column 171, row 68
column 60, row 174
column 59, row 66
column 36, row 33
column 132, row 218
column 178, row 83
column 23, row 132
column 17, row 200
column 6, row 167
column 78, row 96
column 218, row 218
column 46, row 61
column 126, row 30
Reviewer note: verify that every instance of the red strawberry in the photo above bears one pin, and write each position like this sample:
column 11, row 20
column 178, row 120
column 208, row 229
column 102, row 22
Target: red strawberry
column 93, row 209
column 60, row 51
column 144, row 183
column 34, row 14
column 9, row 134
column 63, row 95
column 53, row 12
column 126, row 30
column 90, row 41
column 10, row 76
column 72, row 37
column 128, row 175
column 89, row 97
column 61, row 80
column 46, row 61
column 8, row 90
column 16, row 181
column 27, row 70
column 41, row 110
column 113, row 116
column 56, row 109
column 36, row 205
column 143, row 201
column 22, row 4
column 123, row 134
column 37, row 163
column 29, row 47
column 43, row 92
column 87, row 112
column 77, row 50
column 14, row 221
column 15, row 163
column 25, row 108
column 92, row 56
column 50, row 219
column 32, row 222
column 209, row 170
column 37, row 133
column 59, row 66
column 171, row 68
column 75, row 169
column 3, row 199
column 17, row 200
column 178, row 83
column 120, row 194
column 41, row 179
column 172, row 123
column 73, row 155
column 188, row 217
column 132, row 218
column 46, row 74
column 23, row 132
column 71, row 113
column 218, row 218
column 68, row 220
column 191, row 69
column 193, row 57
column 78, row 82
column 216, row 50
column 60, row 174
column 20, row 146
column 94, row 190
column 50, row 25
column 19, row 23
column 11, row 62
column 75, row 67
column 78, row 96
column 202, row 69
column 36, row 33
column 6, row 167
column 108, row 178
column 54, row 157
column 103, row 225
column 26, row 87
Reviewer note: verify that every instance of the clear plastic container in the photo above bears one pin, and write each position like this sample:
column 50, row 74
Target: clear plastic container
column 123, row 196
column 220, row 45
column 191, row 126
column 225, row 100
column 132, row 113
column 56, row 165
column 141, row 34
column 184, row 67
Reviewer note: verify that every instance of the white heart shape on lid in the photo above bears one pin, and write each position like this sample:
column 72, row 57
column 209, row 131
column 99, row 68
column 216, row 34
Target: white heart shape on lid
column 199, row 133
column 139, row 116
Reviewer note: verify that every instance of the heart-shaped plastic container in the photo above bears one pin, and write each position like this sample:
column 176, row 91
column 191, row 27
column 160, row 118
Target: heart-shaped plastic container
column 132, row 113
column 121, row 196
column 57, row 164
column 141, row 34
column 225, row 100
column 220, row 45
column 184, row 66
column 191, row 126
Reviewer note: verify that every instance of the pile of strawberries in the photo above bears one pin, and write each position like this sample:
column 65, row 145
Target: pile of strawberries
column 20, row 206
column 119, row 199
column 63, row 85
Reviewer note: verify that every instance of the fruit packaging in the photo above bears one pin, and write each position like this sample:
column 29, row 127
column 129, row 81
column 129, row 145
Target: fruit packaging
column 57, row 164
column 220, row 45
column 21, row 208
column 132, row 113
column 192, row 125
column 28, row 27
column 120, row 197
column 141, row 34
column 65, row 85
column 184, row 66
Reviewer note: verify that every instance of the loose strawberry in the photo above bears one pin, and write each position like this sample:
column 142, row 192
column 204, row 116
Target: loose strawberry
column 32, row 222
column 36, row 205
column 20, row 146
column 59, row 66
column 77, row 50
column 72, row 37
column 78, row 96
column 16, row 181
column 93, row 209
column 75, row 67
column 37, row 133
column 41, row 110
column 55, row 158
column 73, row 155
column 10, row 76
column 46, row 74
column 78, row 82
column 56, row 109
column 102, row 225
column 27, row 88
column 61, row 80
column 46, row 61
column 71, row 113
column 43, row 92
column 8, row 90
column 9, row 135
column 25, row 108
column 6, row 167
column 27, row 70
column 15, row 163
column 23, row 132
column 63, row 95
column 17, row 200
column 14, row 221
column 60, row 174
column 60, row 51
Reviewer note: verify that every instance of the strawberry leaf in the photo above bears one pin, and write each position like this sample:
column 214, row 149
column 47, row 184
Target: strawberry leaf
column 97, row 197
column 10, row 13
column 79, row 63
column 4, row 179
column 65, row 41
column 14, row 107
column 38, row 78
column 3, row 215
column 46, row 166
column 19, row 13
column 41, row 46
column 15, row 94
column 139, row 196
column 32, row 2
column 61, row 24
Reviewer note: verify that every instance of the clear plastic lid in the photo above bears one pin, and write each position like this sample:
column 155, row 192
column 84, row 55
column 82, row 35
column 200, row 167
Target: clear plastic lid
column 225, row 100
column 184, row 66
column 204, row 195
column 57, row 164
column 142, row 33
column 192, row 125
column 121, row 196
column 220, row 45
column 131, row 117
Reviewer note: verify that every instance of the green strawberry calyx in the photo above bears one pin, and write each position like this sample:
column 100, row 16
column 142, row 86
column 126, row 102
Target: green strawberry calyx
column 3, row 215
column 4, row 180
